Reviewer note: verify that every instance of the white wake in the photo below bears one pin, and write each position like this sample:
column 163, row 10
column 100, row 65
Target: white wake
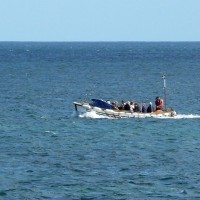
column 188, row 116
column 91, row 114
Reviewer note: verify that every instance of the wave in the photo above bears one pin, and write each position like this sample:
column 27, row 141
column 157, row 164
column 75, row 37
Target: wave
column 51, row 132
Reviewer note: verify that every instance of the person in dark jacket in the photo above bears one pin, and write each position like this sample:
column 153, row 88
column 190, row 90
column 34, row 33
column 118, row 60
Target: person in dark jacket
column 150, row 108
column 144, row 110
column 121, row 107
column 137, row 107
column 127, row 106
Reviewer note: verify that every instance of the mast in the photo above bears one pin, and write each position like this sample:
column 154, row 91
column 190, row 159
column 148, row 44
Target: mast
column 164, row 88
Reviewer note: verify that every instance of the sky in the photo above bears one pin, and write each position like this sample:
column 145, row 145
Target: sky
column 99, row 20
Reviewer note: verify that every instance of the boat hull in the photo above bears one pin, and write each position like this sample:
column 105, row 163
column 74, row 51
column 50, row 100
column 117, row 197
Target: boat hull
column 82, row 108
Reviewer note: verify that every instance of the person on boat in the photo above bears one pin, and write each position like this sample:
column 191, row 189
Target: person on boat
column 115, row 104
column 159, row 103
column 144, row 110
column 127, row 106
column 121, row 107
column 150, row 108
column 132, row 107
column 137, row 107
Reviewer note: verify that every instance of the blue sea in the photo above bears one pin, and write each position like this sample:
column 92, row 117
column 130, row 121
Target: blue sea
column 48, row 152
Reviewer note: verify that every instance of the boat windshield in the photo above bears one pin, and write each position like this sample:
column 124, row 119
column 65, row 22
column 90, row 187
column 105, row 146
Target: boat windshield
column 101, row 104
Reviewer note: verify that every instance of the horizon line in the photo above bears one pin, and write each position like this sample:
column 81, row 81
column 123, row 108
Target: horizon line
column 96, row 41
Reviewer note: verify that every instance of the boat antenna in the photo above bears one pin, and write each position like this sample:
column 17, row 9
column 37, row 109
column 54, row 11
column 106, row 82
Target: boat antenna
column 164, row 88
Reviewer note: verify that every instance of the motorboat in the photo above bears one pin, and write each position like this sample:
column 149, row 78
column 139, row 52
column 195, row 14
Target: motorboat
column 106, row 109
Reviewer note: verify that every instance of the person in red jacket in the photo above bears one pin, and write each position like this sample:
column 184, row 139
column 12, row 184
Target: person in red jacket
column 159, row 103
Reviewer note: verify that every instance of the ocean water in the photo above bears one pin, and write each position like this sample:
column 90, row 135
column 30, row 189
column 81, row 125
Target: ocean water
column 47, row 152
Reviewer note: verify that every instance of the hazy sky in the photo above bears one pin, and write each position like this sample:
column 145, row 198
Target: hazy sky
column 99, row 20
